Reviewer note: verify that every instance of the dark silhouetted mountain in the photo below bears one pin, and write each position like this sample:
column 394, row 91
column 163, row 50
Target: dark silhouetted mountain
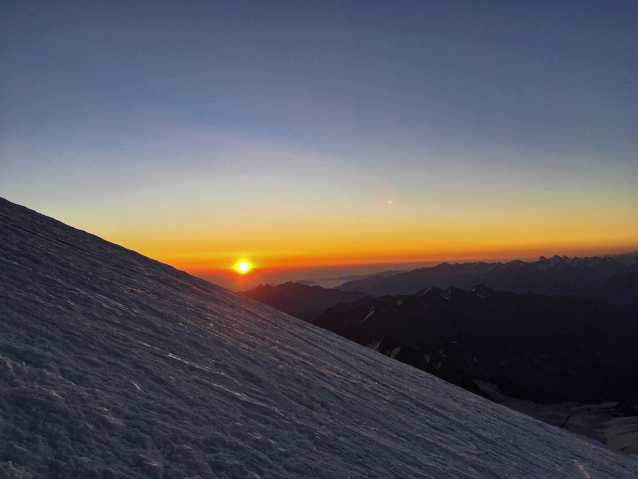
column 299, row 300
column 541, row 348
column 621, row 289
column 611, row 278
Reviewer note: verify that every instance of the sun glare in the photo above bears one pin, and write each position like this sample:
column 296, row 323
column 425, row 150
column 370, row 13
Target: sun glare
column 243, row 267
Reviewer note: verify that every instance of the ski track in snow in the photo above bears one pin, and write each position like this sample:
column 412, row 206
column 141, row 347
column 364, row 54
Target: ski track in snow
column 113, row 365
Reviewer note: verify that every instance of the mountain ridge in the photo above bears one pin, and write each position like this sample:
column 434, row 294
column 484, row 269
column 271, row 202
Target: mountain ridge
column 301, row 301
column 594, row 278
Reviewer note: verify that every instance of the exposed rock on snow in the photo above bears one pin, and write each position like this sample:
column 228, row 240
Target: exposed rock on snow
column 114, row 365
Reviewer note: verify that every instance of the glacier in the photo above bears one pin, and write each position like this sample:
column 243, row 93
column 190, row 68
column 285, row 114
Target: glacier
column 113, row 365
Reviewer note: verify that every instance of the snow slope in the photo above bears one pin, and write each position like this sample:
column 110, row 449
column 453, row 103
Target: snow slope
column 117, row 366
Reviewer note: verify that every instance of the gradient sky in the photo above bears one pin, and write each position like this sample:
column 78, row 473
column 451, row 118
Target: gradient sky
column 199, row 133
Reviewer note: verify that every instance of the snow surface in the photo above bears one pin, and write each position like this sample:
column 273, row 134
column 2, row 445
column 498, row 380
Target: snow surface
column 116, row 366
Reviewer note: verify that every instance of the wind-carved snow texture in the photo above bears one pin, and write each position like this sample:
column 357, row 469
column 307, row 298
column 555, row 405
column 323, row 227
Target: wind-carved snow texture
column 117, row 366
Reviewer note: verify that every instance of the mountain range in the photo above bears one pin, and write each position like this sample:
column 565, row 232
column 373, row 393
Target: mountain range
column 612, row 279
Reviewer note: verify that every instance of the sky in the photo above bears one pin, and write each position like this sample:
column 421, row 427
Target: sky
column 326, row 136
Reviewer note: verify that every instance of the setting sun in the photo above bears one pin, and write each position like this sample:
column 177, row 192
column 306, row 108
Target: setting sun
column 243, row 267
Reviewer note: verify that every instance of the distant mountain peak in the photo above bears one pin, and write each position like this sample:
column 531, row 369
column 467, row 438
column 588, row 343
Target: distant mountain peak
column 430, row 289
column 602, row 278
column 482, row 291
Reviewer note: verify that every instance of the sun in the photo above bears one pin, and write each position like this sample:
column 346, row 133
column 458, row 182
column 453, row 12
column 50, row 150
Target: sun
column 243, row 267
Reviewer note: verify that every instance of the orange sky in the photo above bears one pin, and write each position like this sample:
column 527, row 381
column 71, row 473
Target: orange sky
column 288, row 250
column 381, row 238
